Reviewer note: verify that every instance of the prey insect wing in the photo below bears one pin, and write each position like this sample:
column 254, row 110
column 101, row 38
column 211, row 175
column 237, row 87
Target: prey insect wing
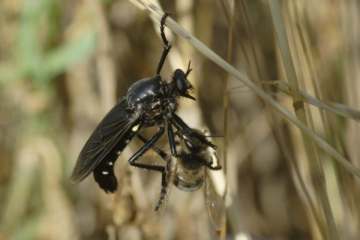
column 198, row 164
column 100, row 151
column 214, row 204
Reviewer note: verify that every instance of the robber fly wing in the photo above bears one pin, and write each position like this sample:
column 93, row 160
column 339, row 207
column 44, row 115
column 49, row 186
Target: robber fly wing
column 111, row 135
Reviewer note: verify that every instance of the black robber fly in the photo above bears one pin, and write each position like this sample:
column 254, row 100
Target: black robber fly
column 149, row 102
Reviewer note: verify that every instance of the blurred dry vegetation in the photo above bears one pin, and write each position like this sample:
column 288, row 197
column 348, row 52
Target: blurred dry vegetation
column 64, row 63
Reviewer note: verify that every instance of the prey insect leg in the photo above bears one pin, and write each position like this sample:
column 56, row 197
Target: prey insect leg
column 185, row 130
column 167, row 45
column 171, row 138
column 209, row 165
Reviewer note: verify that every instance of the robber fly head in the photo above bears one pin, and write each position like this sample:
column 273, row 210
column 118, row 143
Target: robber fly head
column 181, row 84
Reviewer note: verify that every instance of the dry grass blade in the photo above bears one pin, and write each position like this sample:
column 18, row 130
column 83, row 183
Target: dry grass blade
column 333, row 107
column 286, row 35
column 286, row 114
column 337, row 108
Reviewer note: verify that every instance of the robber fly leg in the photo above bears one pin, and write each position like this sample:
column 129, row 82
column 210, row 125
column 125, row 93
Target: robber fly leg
column 163, row 155
column 164, row 173
column 149, row 144
column 164, row 179
column 167, row 45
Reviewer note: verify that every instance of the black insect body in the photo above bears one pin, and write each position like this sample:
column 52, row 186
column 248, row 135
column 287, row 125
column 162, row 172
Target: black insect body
column 102, row 148
column 150, row 102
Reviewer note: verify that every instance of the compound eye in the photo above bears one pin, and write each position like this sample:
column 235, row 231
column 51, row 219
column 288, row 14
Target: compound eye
column 180, row 80
column 181, row 85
